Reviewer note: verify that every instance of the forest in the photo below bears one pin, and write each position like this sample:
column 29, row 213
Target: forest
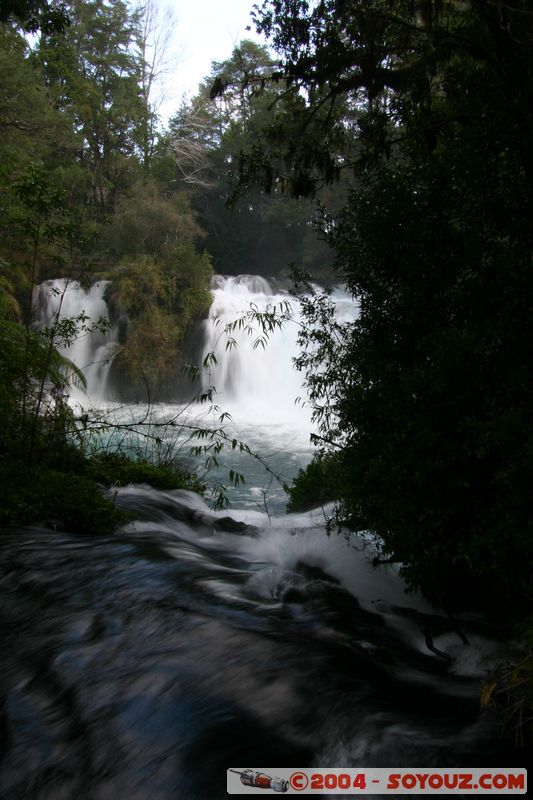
column 384, row 146
column 93, row 187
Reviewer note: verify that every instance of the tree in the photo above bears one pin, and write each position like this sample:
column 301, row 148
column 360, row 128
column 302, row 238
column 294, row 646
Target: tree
column 35, row 15
column 93, row 75
column 33, row 375
column 153, row 33
column 29, row 126
column 382, row 62
column 212, row 139
column 425, row 400
column 78, row 136
column 433, row 410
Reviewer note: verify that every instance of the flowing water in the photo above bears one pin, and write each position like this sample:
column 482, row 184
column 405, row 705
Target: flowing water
column 92, row 350
column 142, row 665
column 259, row 398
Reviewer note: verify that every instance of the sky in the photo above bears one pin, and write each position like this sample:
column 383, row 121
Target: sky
column 205, row 31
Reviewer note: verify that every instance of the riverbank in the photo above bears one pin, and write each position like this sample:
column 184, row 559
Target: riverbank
column 67, row 494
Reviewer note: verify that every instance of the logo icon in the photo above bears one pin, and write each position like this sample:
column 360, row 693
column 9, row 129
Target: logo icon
column 260, row 780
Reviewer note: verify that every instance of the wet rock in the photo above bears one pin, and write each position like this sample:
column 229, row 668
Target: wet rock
column 231, row 525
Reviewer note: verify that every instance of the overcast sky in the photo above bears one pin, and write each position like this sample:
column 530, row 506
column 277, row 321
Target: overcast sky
column 205, row 31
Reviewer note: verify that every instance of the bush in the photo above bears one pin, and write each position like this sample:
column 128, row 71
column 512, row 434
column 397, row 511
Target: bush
column 313, row 486
column 119, row 470
column 56, row 499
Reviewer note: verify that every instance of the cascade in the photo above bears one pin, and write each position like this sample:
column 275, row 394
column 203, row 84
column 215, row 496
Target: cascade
column 92, row 352
column 146, row 663
column 257, row 387
column 205, row 640
column 260, row 380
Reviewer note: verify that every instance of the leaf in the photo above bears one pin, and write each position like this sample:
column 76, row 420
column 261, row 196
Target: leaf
column 486, row 699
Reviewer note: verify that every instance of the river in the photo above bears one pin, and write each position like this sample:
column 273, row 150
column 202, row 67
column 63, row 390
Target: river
column 144, row 664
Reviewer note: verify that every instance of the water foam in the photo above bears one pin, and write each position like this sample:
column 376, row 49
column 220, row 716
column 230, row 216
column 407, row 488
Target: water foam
column 92, row 351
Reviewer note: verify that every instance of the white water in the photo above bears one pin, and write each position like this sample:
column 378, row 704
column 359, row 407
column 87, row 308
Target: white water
column 260, row 383
column 257, row 386
column 93, row 351
column 199, row 647
column 252, row 382
column 282, row 629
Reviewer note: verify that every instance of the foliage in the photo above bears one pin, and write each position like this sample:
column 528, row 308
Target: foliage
column 46, row 15
column 55, row 498
column 163, row 299
column 28, row 124
column 365, row 68
column 150, row 222
column 117, row 469
column 434, row 411
column 425, row 398
column 314, row 486
column 76, row 187
column 509, row 689
column 45, row 474
column 38, row 233
column 92, row 74
column 85, row 188
column 212, row 137
column 27, row 361
column 33, row 373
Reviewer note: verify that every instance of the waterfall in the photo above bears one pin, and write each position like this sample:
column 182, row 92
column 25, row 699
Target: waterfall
column 260, row 383
column 244, row 375
column 91, row 351
column 257, row 379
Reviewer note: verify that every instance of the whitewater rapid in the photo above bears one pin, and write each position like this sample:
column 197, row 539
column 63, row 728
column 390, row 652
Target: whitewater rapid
column 147, row 663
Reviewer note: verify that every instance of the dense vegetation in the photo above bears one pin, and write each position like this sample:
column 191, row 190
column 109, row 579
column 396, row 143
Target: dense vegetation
column 85, row 192
column 84, row 189
column 212, row 136
column 411, row 124
column 91, row 187
column 426, row 400
column 424, row 403
column 424, row 110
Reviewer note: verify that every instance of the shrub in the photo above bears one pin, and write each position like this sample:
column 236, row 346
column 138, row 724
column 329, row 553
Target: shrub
column 313, row 486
